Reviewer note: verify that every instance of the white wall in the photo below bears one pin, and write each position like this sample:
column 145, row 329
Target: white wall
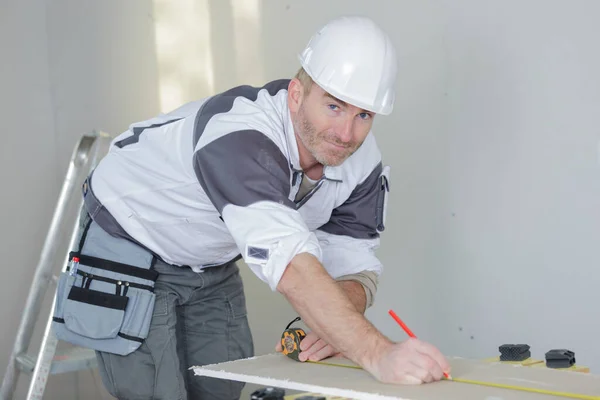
column 67, row 67
column 495, row 169
column 493, row 146
column 29, row 157
column 496, row 216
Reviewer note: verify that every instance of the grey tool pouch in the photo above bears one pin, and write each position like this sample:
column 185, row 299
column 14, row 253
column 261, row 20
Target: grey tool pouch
column 107, row 303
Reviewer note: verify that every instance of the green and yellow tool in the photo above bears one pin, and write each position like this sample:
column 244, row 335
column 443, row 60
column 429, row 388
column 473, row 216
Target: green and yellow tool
column 290, row 340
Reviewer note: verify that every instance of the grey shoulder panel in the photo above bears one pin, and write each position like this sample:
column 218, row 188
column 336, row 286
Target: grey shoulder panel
column 242, row 168
column 223, row 102
column 357, row 216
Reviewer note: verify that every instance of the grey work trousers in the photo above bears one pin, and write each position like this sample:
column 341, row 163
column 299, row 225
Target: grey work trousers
column 199, row 318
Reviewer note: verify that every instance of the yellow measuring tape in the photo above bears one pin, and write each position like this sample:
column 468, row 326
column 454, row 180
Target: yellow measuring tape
column 498, row 385
column 532, row 390
column 335, row 364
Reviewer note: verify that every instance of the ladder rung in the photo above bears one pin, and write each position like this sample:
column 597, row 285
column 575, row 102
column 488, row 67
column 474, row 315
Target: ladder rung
column 73, row 359
column 26, row 363
column 68, row 360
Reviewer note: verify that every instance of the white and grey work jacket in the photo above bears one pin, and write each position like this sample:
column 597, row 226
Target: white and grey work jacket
column 218, row 177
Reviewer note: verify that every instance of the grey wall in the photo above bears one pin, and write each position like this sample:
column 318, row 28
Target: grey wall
column 67, row 67
column 493, row 232
column 493, row 147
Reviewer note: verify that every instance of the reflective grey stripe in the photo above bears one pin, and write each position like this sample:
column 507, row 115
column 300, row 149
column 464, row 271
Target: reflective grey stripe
column 137, row 131
column 357, row 217
column 242, row 168
column 222, row 103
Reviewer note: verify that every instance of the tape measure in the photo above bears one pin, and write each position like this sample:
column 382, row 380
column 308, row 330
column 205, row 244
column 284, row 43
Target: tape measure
column 290, row 340
column 531, row 390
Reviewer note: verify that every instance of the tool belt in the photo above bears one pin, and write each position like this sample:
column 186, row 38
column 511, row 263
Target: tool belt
column 106, row 304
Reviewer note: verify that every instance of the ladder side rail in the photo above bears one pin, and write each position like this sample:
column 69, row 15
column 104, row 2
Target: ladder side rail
column 43, row 272
column 41, row 371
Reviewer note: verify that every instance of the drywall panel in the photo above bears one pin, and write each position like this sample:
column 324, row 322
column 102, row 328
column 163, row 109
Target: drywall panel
column 280, row 371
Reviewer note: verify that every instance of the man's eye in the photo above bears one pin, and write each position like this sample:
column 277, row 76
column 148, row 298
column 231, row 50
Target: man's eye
column 365, row 115
column 333, row 107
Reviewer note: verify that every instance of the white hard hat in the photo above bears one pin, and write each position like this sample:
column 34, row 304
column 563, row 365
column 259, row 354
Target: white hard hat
column 354, row 60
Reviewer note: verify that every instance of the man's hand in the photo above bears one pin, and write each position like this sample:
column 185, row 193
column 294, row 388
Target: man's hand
column 312, row 348
column 328, row 311
column 410, row 362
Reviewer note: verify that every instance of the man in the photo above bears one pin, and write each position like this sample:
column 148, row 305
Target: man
column 288, row 176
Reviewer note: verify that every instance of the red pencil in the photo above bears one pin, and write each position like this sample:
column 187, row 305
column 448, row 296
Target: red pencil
column 409, row 332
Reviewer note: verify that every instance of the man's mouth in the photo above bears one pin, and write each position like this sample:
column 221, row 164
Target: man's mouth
column 338, row 146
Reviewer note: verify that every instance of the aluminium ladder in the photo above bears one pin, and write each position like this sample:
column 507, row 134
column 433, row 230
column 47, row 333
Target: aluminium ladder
column 86, row 154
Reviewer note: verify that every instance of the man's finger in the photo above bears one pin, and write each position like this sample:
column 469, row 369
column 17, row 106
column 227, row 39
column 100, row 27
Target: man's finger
column 317, row 346
column 430, row 365
column 325, row 352
column 278, row 347
column 310, row 339
column 410, row 380
column 422, row 374
column 433, row 352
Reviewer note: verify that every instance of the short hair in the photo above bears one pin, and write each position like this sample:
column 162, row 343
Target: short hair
column 305, row 80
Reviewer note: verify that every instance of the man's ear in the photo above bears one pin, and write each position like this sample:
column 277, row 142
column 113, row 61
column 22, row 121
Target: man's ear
column 295, row 95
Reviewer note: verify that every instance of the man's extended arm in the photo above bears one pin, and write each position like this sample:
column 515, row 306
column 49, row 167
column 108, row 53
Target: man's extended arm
column 328, row 311
column 358, row 288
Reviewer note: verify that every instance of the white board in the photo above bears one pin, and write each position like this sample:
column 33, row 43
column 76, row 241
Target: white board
column 280, row 371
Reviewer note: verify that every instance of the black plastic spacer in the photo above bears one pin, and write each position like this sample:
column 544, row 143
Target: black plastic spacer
column 560, row 358
column 514, row 352
column 268, row 393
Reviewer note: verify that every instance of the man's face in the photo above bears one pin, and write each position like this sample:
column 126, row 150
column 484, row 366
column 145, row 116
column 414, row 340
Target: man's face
column 330, row 129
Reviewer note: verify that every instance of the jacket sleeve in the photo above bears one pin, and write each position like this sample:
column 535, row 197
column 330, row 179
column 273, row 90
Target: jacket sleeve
column 247, row 178
column 352, row 235
column 369, row 281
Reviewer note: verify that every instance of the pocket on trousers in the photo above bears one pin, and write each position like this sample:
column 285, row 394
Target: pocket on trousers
column 237, row 307
column 94, row 314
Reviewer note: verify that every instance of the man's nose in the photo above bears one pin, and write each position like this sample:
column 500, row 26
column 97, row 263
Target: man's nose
column 345, row 130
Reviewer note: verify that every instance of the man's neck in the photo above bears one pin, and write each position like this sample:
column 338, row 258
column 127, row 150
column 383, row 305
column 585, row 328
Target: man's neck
column 311, row 167
column 314, row 172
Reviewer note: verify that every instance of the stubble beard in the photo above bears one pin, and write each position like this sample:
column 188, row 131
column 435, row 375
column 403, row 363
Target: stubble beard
column 311, row 139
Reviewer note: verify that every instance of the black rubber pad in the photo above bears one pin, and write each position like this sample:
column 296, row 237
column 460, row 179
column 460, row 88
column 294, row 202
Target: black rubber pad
column 268, row 393
column 514, row 352
column 560, row 358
